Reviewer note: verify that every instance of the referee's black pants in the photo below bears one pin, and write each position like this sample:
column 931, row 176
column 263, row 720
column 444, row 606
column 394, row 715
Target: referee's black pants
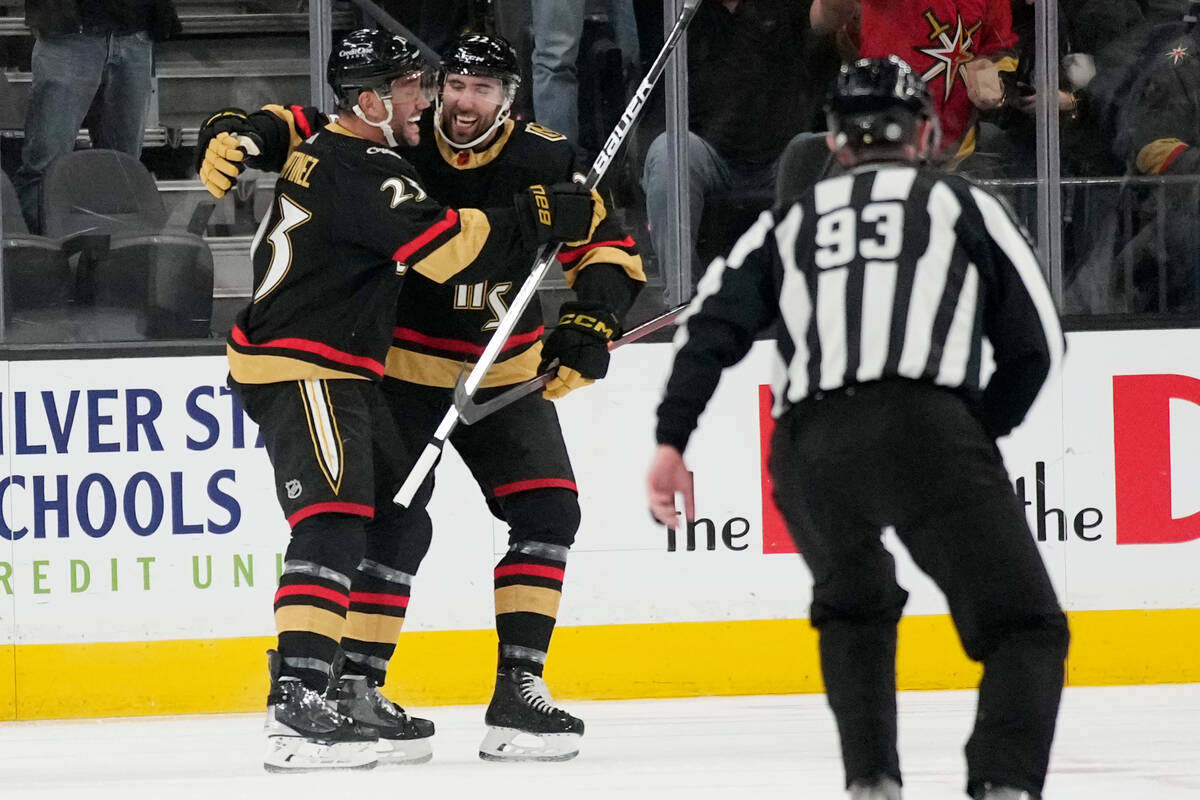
column 910, row 455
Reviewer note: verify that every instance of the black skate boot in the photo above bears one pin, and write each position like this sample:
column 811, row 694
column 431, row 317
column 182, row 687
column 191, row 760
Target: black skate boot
column 402, row 739
column 990, row 792
column 524, row 724
column 882, row 788
column 305, row 732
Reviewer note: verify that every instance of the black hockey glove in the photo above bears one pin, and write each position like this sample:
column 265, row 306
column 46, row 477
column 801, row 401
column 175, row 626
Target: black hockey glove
column 561, row 212
column 225, row 141
column 579, row 345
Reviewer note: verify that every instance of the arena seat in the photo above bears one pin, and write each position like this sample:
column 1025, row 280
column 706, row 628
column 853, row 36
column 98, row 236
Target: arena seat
column 37, row 280
column 106, row 206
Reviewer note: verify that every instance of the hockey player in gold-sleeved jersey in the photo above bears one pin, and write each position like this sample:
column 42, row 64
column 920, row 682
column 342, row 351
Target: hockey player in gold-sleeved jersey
column 472, row 154
column 350, row 222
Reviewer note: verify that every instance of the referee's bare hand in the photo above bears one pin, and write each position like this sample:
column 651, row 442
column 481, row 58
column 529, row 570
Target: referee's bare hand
column 669, row 475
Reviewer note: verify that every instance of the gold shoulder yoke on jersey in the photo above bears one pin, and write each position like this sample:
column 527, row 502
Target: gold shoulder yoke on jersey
column 334, row 127
column 472, row 159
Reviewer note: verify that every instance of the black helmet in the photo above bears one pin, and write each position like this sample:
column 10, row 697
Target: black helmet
column 877, row 101
column 367, row 59
column 483, row 54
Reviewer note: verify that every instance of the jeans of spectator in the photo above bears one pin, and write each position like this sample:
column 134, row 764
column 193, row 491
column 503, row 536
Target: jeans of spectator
column 108, row 74
column 557, row 29
column 708, row 172
column 625, row 32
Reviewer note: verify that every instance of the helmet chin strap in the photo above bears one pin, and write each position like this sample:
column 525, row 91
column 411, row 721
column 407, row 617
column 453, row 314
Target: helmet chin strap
column 481, row 138
column 384, row 126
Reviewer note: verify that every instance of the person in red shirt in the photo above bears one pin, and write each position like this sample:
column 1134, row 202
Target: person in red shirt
column 962, row 49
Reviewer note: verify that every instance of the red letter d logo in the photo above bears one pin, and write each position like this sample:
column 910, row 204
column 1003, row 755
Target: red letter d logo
column 1142, row 458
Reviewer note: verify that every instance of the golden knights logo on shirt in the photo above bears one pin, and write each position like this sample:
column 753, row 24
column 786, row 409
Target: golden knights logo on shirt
column 954, row 48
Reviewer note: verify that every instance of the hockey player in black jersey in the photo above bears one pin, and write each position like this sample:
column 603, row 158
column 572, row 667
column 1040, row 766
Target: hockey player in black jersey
column 886, row 288
column 350, row 221
column 472, row 153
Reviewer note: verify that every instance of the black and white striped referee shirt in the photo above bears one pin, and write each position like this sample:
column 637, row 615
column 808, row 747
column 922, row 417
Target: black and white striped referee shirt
column 889, row 271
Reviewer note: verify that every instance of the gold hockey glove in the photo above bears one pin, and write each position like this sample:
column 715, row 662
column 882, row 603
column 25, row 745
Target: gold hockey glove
column 561, row 212
column 579, row 344
column 222, row 146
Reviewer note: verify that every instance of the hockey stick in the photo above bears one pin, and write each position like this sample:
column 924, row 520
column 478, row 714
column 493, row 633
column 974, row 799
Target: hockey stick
column 547, row 255
column 470, row 412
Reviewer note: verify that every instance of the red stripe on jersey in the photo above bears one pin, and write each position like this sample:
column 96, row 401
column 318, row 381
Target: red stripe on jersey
column 316, row 348
column 533, row 570
column 459, row 346
column 357, row 509
column 431, row 233
column 1174, row 155
column 302, row 122
column 379, row 599
column 332, row 595
column 570, row 255
column 536, row 483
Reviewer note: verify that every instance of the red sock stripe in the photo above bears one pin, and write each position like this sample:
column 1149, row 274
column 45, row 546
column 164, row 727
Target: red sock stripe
column 537, row 483
column 535, row 570
column 331, row 595
column 379, row 599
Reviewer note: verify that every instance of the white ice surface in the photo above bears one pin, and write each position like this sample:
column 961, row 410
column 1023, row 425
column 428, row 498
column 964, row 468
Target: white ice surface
column 1120, row 742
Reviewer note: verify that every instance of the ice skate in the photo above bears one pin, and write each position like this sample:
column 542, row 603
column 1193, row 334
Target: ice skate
column 305, row 732
column 883, row 788
column 990, row 792
column 525, row 725
column 402, row 739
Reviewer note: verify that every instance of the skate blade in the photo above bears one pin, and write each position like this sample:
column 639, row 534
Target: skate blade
column 510, row 744
column 297, row 754
column 403, row 752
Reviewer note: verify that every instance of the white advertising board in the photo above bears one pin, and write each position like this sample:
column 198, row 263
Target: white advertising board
column 135, row 505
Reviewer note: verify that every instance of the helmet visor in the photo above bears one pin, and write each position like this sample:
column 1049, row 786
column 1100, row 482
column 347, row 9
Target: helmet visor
column 420, row 83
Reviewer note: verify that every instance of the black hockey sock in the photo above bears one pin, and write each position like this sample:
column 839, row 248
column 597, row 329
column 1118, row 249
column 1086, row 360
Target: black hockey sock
column 314, row 593
column 396, row 544
column 378, row 603
column 528, row 582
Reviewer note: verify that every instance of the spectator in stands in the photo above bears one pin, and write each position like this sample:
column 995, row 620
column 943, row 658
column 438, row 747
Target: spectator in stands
column 1151, row 111
column 756, row 78
column 963, row 49
column 93, row 61
column 557, row 27
column 1089, row 42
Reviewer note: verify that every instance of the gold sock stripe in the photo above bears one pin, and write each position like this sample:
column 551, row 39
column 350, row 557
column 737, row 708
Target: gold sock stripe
column 377, row 628
column 533, row 599
column 309, row 619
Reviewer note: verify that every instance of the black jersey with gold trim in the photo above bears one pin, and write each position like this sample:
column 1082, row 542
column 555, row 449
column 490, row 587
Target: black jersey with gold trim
column 348, row 221
column 440, row 326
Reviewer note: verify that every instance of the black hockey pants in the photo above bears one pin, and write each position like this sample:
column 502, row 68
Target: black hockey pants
column 911, row 455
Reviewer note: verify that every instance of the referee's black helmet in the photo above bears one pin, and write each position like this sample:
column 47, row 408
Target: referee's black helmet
column 878, row 101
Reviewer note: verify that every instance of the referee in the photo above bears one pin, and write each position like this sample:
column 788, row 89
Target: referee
column 893, row 292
